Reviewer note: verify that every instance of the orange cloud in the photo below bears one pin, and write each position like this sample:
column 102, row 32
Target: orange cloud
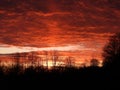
column 58, row 23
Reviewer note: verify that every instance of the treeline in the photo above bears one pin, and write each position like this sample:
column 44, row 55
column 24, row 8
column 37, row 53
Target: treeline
column 46, row 59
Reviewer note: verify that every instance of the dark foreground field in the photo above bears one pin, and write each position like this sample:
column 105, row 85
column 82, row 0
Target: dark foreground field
column 60, row 78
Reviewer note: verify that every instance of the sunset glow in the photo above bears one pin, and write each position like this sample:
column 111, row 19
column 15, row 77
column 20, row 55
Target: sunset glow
column 14, row 49
column 80, row 27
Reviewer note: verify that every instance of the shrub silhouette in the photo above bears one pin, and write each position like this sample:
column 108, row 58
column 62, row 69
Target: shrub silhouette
column 94, row 62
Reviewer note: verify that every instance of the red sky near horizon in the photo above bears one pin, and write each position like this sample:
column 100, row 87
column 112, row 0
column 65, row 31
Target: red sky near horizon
column 81, row 26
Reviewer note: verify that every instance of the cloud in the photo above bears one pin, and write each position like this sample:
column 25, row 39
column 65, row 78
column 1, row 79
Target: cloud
column 58, row 23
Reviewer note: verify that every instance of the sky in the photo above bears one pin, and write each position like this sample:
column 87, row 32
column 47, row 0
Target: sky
column 81, row 26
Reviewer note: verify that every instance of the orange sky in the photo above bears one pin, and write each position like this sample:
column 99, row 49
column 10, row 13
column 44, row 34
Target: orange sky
column 82, row 26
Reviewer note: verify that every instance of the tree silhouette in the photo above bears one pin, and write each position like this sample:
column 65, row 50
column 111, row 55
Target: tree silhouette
column 33, row 57
column 70, row 61
column 23, row 58
column 111, row 51
column 17, row 67
column 54, row 57
column 94, row 62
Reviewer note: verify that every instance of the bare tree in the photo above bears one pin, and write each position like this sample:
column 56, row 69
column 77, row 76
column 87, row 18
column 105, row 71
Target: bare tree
column 24, row 57
column 16, row 58
column 32, row 57
column 54, row 57
column 39, row 61
column 70, row 61
column 17, row 67
column 111, row 51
